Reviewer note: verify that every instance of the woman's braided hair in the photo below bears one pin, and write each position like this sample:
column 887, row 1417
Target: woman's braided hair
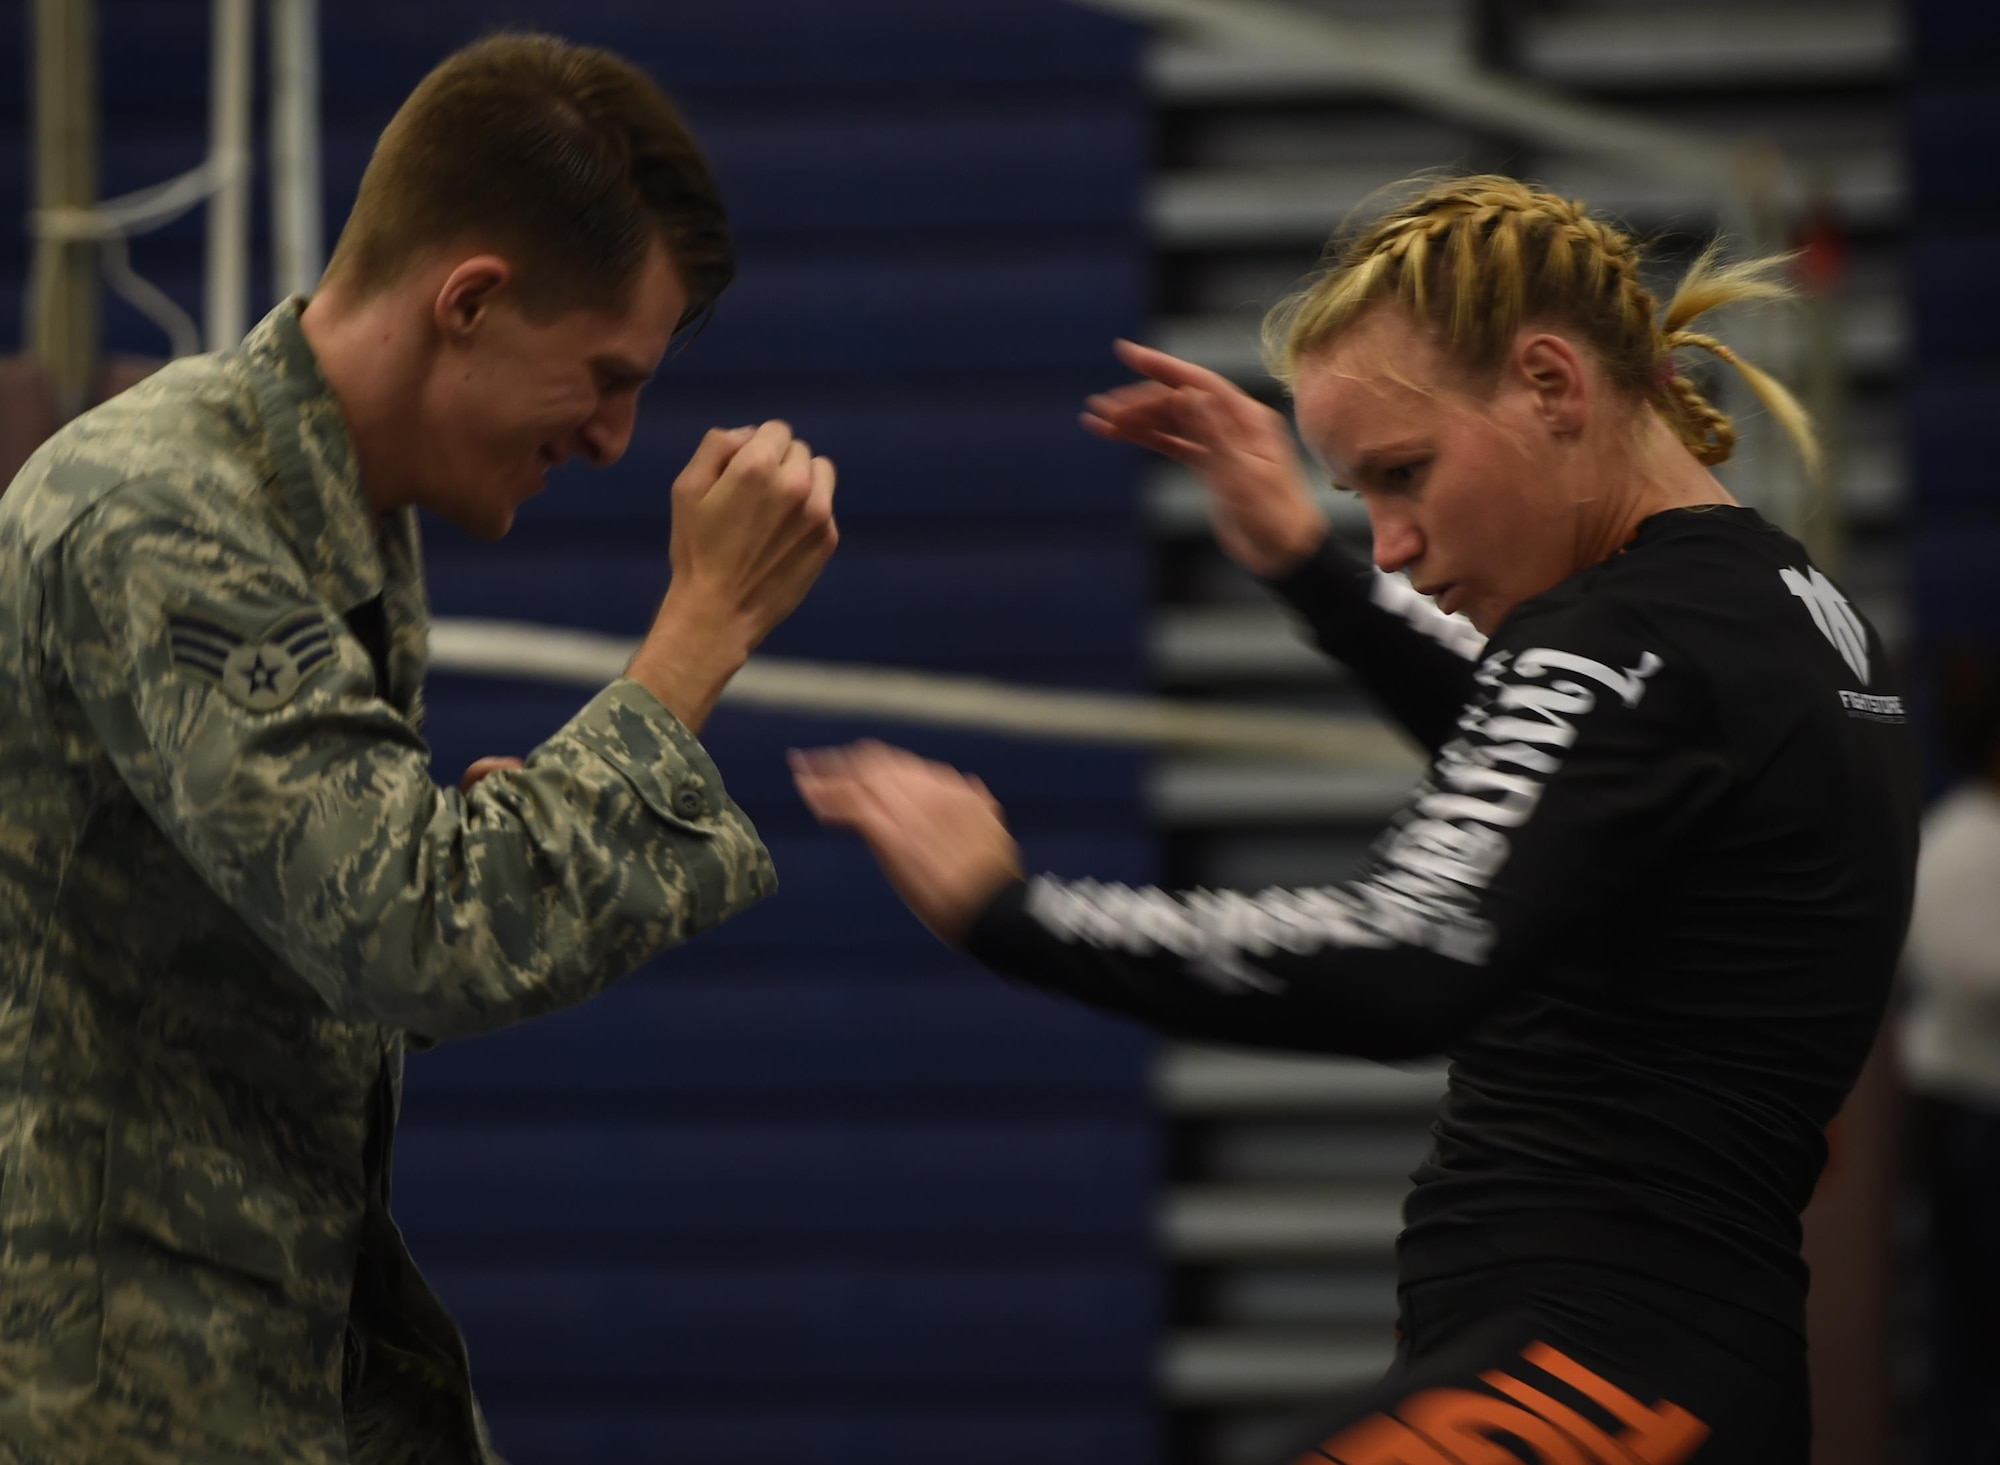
column 1477, row 257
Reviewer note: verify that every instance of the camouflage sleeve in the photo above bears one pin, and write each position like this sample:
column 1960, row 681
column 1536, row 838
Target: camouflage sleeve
column 244, row 718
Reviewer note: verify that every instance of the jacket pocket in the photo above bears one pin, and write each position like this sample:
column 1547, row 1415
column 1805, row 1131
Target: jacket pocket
column 50, row 1313
column 207, row 1330
column 201, row 1204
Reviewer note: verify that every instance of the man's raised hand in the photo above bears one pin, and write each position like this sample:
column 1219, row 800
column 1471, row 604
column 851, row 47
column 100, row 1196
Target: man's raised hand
column 753, row 527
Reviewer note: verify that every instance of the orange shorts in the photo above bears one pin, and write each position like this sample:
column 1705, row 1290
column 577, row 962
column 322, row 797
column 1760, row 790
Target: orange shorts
column 1567, row 1364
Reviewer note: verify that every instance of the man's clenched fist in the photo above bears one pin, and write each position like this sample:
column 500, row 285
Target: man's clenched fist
column 753, row 527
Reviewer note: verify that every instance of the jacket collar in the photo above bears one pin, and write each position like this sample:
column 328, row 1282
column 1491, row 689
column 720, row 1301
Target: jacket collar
column 351, row 552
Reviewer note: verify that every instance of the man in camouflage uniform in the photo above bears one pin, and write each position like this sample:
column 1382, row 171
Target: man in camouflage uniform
column 230, row 893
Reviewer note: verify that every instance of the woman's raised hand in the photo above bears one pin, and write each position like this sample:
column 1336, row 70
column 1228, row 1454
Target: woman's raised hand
column 1264, row 515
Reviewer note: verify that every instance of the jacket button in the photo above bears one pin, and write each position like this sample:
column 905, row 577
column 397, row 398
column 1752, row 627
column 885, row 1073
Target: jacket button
column 688, row 802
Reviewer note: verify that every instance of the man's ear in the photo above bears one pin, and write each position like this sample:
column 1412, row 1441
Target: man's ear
column 468, row 294
column 1552, row 370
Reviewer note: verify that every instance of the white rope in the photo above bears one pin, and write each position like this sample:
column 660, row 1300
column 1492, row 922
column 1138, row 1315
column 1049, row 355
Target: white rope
column 220, row 180
column 115, row 259
column 112, row 222
column 580, row 658
column 132, row 213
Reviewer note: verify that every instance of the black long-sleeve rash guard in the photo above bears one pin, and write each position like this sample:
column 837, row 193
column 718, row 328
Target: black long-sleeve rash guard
column 1648, row 899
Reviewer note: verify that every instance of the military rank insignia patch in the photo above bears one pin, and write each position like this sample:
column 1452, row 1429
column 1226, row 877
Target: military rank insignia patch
column 261, row 673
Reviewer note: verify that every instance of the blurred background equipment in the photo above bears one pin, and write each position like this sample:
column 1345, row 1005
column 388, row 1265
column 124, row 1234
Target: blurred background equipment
column 823, row 1194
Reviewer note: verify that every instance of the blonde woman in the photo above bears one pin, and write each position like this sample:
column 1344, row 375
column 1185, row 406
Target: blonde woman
column 1648, row 899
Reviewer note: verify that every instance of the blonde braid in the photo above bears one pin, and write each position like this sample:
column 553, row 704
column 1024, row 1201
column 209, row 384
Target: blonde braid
column 1705, row 287
column 1705, row 428
column 1476, row 258
column 1408, row 254
column 1702, row 427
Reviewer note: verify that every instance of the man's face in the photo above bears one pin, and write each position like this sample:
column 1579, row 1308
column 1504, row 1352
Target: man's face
column 1463, row 493
column 513, row 397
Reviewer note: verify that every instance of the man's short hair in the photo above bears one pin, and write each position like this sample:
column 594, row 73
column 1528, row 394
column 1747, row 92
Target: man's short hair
column 566, row 159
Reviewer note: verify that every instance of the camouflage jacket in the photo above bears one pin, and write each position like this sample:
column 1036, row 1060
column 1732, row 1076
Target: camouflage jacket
column 229, row 888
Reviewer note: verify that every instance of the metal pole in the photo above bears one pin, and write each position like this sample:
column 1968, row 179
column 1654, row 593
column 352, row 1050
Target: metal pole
column 296, row 230
column 64, row 331
column 229, row 149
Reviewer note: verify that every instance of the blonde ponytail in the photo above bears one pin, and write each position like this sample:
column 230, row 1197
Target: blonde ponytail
column 1709, row 285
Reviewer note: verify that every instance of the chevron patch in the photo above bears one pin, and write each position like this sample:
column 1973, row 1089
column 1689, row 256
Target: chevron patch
column 262, row 673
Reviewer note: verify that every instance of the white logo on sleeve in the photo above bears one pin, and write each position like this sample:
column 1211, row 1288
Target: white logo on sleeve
column 1833, row 615
column 1426, row 878
column 1395, row 594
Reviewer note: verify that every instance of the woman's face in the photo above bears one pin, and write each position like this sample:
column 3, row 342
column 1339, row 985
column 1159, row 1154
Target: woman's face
column 1469, row 492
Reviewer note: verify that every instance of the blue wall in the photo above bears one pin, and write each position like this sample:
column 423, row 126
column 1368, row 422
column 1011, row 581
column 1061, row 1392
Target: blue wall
column 811, row 1189
column 1954, row 125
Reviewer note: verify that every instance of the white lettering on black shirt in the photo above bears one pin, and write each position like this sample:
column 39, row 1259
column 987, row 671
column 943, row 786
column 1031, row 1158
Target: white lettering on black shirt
column 1429, row 870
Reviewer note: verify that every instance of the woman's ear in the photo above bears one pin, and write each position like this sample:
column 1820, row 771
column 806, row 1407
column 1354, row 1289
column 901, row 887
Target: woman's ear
column 1551, row 370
